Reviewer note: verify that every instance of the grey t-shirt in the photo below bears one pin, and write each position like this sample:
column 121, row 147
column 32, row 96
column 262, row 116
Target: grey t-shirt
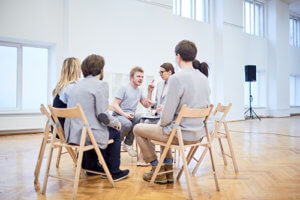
column 130, row 97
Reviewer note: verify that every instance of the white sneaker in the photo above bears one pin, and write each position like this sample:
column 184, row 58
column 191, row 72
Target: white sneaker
column 130, row 150
column 142, row 163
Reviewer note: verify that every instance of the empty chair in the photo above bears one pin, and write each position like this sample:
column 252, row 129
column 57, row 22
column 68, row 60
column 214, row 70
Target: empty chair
column 220, row 114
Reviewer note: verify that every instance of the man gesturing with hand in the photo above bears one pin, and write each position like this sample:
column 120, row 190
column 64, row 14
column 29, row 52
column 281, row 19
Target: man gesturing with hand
column 126, row 100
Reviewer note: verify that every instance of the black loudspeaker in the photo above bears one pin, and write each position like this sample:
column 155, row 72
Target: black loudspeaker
column 250, row 73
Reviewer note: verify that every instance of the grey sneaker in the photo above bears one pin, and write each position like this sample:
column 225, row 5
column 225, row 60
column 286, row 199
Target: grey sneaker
column 130, row 150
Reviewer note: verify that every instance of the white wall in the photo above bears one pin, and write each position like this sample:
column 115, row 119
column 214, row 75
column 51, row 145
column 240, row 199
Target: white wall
column 129, row 33
column 40, row 22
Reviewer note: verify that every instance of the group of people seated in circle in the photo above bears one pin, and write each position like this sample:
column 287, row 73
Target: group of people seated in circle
column 188, row 86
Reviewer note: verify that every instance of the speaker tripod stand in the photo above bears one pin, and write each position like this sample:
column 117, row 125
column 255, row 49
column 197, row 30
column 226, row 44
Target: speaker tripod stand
column 252, row 113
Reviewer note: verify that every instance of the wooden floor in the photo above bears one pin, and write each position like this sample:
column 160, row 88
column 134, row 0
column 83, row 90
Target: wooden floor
column 267, row 151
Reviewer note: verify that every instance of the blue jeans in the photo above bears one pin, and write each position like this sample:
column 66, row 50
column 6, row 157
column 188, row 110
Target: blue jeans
column 111, row 154
column 127, row 127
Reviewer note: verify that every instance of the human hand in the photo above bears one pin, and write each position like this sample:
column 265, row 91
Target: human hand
column 119, row 127
column 129, row 116
column 159, row 108
column 151, row 86
column 149, row 103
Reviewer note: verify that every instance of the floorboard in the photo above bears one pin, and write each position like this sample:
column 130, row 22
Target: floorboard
column 267, row 151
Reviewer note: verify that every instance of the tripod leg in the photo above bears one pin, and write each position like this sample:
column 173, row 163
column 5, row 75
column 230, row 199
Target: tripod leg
column 256, row 114
column 246, row 111
column 251, row 116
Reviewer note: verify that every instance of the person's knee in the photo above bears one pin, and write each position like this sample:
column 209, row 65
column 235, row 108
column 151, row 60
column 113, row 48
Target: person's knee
column 137, row 129
column 126, row 125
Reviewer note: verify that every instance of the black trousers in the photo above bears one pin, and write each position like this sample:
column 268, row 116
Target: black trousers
column 111, row 154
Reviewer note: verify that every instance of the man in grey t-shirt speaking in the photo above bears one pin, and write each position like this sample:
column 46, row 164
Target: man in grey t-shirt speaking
column 126, row 100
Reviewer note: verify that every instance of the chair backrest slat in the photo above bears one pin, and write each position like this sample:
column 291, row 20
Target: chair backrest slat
column 186, row 112
column 196, row 113
column 222, row 109
column 66, row 112
column 45, row 112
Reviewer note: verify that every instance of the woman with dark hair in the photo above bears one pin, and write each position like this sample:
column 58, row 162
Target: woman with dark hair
column 165, row 71
column 202, row 67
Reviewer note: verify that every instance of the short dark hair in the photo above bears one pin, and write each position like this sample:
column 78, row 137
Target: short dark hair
column 168, row 67
column 186, row 49
column 202, row 67
column 92, row 65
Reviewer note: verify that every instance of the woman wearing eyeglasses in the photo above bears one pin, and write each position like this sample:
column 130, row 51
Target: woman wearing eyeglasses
column 166, row 70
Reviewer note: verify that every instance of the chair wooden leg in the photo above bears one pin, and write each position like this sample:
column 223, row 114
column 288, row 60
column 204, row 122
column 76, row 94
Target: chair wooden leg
column 77, row 174
column 187, row 175
column 175, row 156
column 200, row 161
column 231, row 148
column 214, row 169
column 189, row 157
column 186, row 172
column 41, row 154
column 51, row 147
column 103, row 163
column 222, row 151
column 159, row 164
column 58, row 157
column 101, row 159
column 72, row 154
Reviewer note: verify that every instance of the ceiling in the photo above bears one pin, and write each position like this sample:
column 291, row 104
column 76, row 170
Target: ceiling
column 295, row 7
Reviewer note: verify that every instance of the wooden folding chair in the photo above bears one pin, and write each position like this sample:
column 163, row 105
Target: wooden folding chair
column 186, row 113
column 220, row 114
column 47, row 139
column 86, row 130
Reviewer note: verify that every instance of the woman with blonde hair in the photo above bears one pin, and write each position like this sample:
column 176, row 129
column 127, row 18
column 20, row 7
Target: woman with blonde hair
column 70, row 74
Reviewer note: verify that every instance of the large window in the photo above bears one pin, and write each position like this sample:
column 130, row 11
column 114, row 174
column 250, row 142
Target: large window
column 258, row 91
column 295, row 90
column 254, row 17
column 193, row 9
column 23, row 77
column 294, row 32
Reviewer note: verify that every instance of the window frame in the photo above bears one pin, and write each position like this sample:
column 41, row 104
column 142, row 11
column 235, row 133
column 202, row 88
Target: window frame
column 253, row 21
column 193, row 12
column 296, row 82
column 294, row 38
column 20, row 45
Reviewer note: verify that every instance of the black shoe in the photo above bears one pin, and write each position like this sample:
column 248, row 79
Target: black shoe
column 122, row 174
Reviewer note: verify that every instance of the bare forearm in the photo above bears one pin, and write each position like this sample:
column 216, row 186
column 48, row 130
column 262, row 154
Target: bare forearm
column 118, row 110
column 149, row 96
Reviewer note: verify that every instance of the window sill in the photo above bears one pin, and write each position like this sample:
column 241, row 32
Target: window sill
column 19, row 113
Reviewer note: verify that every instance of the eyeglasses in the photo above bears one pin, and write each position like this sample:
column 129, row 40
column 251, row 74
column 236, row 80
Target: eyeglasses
column 161, row 72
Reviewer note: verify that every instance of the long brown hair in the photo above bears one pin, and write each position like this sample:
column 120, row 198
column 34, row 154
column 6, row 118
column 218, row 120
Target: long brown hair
column 70, row 72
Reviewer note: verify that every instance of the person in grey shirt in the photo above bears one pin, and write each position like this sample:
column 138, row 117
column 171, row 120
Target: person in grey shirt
column 126, row 100
column 92, row 94
column 190, row 87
